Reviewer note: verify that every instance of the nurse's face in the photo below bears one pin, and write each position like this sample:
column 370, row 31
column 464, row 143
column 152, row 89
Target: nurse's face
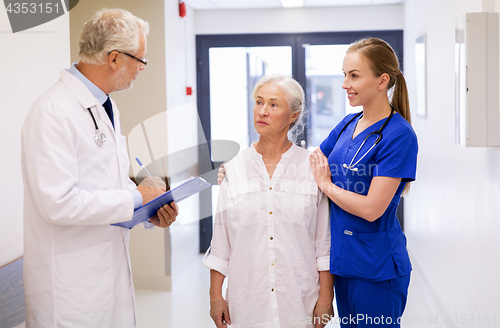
column 126, row 74
column 360, row 83
column 271, row 112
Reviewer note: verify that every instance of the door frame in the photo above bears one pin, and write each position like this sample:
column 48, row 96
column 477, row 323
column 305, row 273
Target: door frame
column 296, row 41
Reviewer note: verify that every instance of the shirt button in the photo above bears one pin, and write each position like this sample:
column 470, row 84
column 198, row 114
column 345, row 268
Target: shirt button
column 271, row 213
column 271, row 238
column 272, row 289
column 270, row 188
column 272, row 264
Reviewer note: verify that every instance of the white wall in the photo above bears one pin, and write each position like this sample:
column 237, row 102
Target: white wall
column 30, row 63
column 451, row 215
column 293, row 20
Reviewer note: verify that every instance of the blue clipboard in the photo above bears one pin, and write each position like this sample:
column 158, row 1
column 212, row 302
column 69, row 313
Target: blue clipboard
column 190, row 187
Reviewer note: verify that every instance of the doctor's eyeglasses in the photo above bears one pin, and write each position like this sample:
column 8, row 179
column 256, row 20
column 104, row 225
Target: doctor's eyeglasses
column 142, row 61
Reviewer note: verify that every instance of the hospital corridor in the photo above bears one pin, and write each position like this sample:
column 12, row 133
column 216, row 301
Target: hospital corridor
column 358, row 137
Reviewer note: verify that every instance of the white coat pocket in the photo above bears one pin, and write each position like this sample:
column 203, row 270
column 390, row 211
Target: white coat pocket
column 83, row 280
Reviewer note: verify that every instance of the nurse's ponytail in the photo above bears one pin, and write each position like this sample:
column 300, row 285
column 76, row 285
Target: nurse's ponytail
column 383, row 59
column 400, row 97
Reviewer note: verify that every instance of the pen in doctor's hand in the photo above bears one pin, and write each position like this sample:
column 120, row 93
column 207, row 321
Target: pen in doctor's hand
column 143, row 167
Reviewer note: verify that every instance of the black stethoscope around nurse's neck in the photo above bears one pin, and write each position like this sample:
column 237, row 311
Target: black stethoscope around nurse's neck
column 99, row 137
column 378, row 133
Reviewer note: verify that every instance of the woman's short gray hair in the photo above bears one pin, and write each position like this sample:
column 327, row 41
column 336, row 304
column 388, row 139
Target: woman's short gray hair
column 108, row 30
column 294, row 95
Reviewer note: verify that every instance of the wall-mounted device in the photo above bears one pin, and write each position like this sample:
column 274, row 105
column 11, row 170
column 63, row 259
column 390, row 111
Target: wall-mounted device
column 477, row 114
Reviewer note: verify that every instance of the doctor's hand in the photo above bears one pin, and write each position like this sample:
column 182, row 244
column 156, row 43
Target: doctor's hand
column 165, row 216
column 150, row 193
column 219, row 312
column 320, row 169
column 154, row 182
column 221, row 174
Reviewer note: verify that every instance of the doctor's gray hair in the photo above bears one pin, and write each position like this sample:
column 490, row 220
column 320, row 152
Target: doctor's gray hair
column 294, row 96
column 108, row 30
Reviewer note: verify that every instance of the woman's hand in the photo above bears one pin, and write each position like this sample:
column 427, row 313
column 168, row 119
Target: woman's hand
column 323, row 312
column 221, row 174
column 219, row 312
column 320, row 169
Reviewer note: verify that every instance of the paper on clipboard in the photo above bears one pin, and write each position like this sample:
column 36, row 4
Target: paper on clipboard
column 190, row 187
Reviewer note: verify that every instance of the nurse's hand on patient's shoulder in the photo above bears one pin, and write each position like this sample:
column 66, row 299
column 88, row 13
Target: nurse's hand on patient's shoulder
column 154, row 182
column 221, row 174
column 320, row 169
column 219, row 312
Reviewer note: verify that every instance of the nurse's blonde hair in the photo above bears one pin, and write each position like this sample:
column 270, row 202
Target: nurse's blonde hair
column 108, row 30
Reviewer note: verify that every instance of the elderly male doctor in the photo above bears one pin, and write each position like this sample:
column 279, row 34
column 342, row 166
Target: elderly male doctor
column 75, row 172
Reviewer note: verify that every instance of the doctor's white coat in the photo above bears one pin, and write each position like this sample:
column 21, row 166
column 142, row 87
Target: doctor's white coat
column 76, row 265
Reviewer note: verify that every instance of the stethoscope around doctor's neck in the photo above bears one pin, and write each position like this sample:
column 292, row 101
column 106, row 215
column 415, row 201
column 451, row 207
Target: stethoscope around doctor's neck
column 378, row 133
column 99, row 137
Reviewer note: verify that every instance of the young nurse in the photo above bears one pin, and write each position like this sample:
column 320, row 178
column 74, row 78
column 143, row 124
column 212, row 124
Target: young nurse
column 364, row 166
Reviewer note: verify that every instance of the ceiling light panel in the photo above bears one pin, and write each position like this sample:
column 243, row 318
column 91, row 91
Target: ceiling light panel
column 292, row 3
column 248, row 4
column 253, row 4
column 336, row 3
column 386, row 2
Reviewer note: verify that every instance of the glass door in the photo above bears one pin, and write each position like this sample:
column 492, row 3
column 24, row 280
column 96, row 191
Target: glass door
column 325, row 96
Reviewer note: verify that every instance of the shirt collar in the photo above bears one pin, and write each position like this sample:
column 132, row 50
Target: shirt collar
column 288, row 153
column 96, row 92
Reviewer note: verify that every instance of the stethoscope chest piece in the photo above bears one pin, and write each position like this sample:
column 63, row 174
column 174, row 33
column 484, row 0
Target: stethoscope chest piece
column 99, row 137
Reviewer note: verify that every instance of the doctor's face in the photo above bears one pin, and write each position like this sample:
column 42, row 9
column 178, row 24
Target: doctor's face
column 130, row 68
column 271, row 111
column 360, row 82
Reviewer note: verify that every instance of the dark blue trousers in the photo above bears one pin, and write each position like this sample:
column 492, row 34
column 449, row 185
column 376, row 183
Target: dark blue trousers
column 371, row 304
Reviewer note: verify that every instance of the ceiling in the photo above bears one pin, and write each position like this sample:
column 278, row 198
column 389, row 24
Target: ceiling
column 255, row 4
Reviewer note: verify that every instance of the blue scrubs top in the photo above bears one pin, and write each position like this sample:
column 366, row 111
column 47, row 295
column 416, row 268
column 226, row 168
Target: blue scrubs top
column 373, row 251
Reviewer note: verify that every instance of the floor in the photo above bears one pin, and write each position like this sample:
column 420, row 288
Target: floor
column 187, row 305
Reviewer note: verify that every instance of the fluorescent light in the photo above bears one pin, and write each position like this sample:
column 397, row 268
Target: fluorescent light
column 292, row 3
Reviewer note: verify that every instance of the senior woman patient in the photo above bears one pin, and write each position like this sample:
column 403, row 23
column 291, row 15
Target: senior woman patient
column 271, row 234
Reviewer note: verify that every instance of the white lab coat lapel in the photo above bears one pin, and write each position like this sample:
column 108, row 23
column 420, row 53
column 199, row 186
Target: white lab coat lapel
column 113, row 135
column 87, row 99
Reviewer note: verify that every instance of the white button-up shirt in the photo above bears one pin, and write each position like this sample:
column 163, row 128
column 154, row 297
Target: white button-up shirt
column 271, row 237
